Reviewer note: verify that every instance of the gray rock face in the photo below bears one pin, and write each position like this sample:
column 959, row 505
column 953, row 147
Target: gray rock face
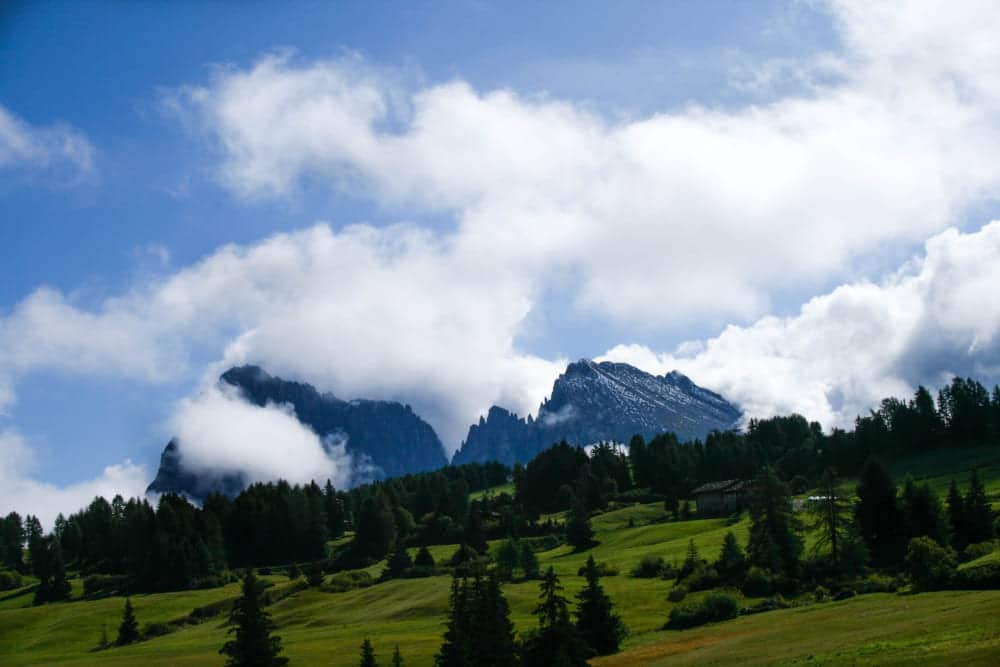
column 593, row 402
column 387, row 435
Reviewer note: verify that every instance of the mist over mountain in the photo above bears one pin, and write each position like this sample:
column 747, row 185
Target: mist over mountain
column 593, row 402
column 381, row 438
column 590, row 402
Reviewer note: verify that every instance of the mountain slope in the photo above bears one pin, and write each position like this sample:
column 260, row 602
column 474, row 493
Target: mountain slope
column 388, row 435
column 593, row 402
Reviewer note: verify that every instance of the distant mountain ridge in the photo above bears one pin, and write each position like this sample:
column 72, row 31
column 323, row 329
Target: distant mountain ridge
column 386, row 434
column 600, row 401
column 590, row 402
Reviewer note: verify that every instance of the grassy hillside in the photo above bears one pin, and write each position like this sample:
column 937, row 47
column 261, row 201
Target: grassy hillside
column 324, row 628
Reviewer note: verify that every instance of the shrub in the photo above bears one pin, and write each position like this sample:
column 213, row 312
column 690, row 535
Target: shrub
column 876, row 583
column 649, row 567
column 293, row 571
column 770, row 604
column 603, row 570
column 758, row 582
column 677, row 593
column 211, row 581
column 930, row 565
column 821, row 594
column 981, row 577
column 701, row 578
column 712, row 608
column 156, row 630
column 348, row 581
column 102, row 585
column 844, row 593
column 974, row 551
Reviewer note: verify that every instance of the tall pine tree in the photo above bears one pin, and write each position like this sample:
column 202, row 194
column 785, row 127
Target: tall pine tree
column 775, row 543
column 596, row 621
column 977, row 511
column 253, row 645
column 878, row 515
column 128, row 630
column 367, row 654
column 556, row 643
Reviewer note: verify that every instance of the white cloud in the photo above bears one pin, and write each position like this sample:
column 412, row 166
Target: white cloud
column 846, row 350
column 219, row 431
column 57, row 149
column 22, row 493
column 689, row 215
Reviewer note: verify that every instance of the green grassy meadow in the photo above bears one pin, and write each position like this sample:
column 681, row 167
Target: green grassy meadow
column 324, row 628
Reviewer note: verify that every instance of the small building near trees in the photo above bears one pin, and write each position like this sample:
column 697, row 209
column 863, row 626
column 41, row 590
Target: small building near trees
column 723, row 497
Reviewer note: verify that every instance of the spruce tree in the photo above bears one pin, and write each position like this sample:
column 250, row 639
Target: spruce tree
column 596, row 622
column 492, row 644
column 253, row 646
column 774, row 544
column 315, row 576
column 368, row 654
column 556, row 642
column 877, row 513
column 691, row 561
column 454, row 651
column 398, row 565
column 529, row 561
column 731, row 561
column 128, row 631
column 60, row 588
column 830, row 517
column 397, row 657
column 978, row 511
column 957, row 516
column 507, row 559
column 579, row 532
column 424, row 559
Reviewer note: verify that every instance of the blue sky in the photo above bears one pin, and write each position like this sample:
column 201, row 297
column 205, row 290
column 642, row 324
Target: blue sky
column 805, row 160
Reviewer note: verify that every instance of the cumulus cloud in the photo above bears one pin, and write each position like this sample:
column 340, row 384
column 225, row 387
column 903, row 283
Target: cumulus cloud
column 21, row 492
column 844, row 351
column 686, row 215
column 217, row 431
column 55, row 150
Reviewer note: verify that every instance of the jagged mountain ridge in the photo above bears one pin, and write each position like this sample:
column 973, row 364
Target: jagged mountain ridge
column 600, row 401
column 386, row 434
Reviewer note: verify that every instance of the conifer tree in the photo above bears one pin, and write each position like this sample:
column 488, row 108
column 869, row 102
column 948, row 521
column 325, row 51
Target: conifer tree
column 529, row 561
column 596, row 622
column 492, row 644
column 731, row 561
column 368, row 654
column 128, row 630
column 556, row 642
column 774, row 540
column 60, row 588
column 830, row 517
column 957, row 516
column 398, row 565
column 315, row 576
column 424, row 559
column 579, row 532
column 397, row 657
column 507, row 559
column 877, row 513
column 977, row 511
column 253, row 645
column 454, row 651
column 691, row 561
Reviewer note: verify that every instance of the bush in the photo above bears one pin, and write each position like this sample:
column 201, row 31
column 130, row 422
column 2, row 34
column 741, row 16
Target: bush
column 211, row 581
column 821, row 594
column 649, row 567
column 103, row 585
column 10, row 580
column 930, row 565
column 677, row 593
column 981, row 577
column 701, row 578
column 974, row 551
column 348, row 581
column 877, row 583
column 844, row 594
column 603, row 570
column 156, row 630
column 770, row 604
column 712, row 608
column 758, row 582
